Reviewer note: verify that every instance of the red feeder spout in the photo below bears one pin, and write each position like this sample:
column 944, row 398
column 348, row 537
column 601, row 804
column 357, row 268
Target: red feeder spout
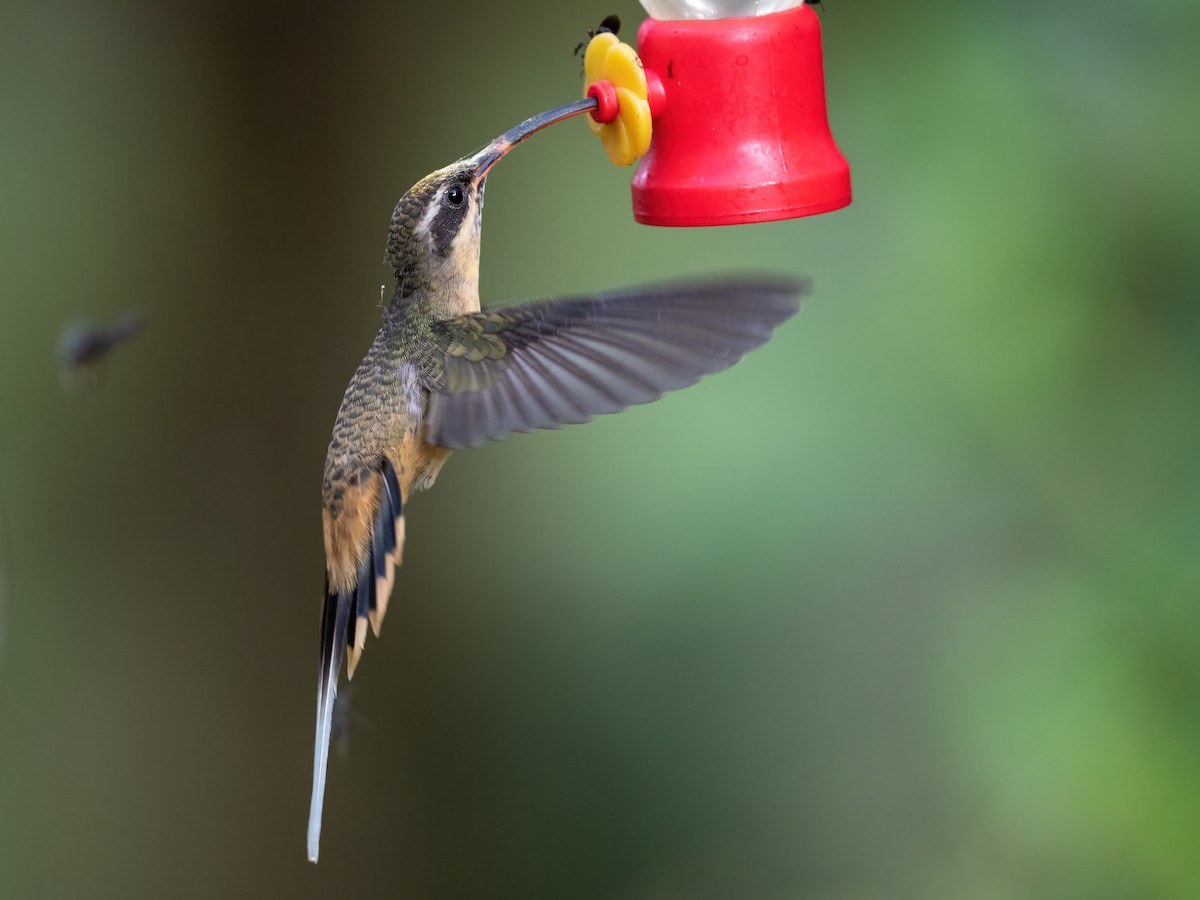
column 743, row 134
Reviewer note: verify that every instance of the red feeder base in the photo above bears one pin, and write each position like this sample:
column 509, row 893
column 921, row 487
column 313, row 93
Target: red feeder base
column 743, row 135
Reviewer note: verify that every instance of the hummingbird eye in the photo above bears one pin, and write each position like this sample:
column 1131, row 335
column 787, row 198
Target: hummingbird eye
column 455, row 196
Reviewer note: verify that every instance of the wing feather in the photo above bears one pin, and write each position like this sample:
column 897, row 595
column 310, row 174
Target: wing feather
column 557, row 362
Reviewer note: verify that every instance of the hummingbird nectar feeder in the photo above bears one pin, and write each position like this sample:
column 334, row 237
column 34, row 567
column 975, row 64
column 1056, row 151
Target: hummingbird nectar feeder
column 728, row 114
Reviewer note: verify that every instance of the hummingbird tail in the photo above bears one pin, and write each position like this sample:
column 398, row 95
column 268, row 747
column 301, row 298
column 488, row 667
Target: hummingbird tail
column 335, row 623
column 377, row 572
column 365, row 603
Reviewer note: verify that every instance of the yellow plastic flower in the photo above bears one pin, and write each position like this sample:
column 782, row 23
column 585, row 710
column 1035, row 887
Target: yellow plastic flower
column 627, row 136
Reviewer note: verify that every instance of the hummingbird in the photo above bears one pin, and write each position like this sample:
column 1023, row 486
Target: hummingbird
column 443, row 374
column 84, row 347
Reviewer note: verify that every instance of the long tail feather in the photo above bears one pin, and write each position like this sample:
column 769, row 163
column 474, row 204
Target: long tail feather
column 344, row 630
column 389, row 536
column 335, row 623
column 364, row 600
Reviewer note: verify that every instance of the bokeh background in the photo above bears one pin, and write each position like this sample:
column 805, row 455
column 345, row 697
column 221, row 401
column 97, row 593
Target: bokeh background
column 906, row 605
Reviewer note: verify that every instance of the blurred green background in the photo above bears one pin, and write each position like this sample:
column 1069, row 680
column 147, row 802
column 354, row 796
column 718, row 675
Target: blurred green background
column 906, row 605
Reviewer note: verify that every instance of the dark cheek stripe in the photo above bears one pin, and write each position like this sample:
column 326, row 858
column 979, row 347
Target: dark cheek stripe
column 445, row 228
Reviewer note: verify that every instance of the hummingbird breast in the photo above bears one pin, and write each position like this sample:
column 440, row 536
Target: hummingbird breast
column 382, row 416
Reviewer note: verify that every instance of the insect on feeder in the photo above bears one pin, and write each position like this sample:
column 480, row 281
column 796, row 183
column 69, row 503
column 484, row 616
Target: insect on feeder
column 725, row 103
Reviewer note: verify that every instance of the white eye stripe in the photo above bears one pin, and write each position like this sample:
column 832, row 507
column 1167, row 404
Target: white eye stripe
column 426, row 219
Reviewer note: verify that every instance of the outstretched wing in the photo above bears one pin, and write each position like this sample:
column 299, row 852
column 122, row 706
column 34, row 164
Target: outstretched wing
column 555, row 362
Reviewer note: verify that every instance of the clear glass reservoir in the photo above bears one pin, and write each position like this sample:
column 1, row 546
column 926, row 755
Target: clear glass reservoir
column 673, row 10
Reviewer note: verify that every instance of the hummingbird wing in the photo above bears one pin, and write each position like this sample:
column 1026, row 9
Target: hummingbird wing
column 555, row 362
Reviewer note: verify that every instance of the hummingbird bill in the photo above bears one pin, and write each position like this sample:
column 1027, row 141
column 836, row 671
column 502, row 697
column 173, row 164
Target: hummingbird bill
column 444, row 374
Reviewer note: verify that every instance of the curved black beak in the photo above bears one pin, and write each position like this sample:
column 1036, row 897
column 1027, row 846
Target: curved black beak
column 491, row 154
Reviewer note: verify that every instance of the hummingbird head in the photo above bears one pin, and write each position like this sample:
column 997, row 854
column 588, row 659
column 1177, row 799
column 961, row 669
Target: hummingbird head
column 435, row 230
column 434, row 236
